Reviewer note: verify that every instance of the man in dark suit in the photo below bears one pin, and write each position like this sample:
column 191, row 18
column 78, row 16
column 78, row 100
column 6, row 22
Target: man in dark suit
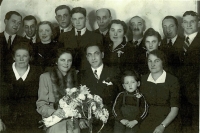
column 103, row 17
column 8, row 38
column 30, row 28
column 95, row 78
column 79, row 37
column 64, row 20
column 172, row 43
column 190, row 70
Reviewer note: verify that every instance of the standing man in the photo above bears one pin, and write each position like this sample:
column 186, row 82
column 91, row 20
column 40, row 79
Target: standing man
column 64, row 20
column 190, row 70
column 79, row 37
column 171, row 45
column 96, row 78
column 8, row 37
column 30, row 28
column 103, row 17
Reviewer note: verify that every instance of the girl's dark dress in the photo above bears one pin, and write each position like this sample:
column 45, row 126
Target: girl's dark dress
column 23, row 117
column 130, row 107
column 160, row 98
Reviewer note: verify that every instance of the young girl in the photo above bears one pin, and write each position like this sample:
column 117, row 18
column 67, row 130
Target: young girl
column 130, row 106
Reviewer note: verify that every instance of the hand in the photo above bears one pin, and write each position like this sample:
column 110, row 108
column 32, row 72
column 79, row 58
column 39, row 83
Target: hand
column 2, row 126
column 124, row 121
column 131, row 124
column 159, row 129
column 60, row 113
column 83, row 123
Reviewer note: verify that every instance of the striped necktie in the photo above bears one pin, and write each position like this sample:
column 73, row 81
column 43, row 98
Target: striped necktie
column 9, row 42
column 186, row 44
column 95, row 74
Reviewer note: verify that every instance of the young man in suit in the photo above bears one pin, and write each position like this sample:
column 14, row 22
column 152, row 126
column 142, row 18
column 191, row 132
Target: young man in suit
column 190, row 69
column 64, row 20
column 103, row 18
column 79, row 37
column 172, row 43
column 30, row 28
column 96, row 78
column 8, row 37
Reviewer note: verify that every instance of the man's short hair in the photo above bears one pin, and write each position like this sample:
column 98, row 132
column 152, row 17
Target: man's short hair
column 171, row 17
column 10, row 13
column 78, row 10
column 94, row 44
column 30, row 17
column 107, row 10
column 192, row 13
column 152, row 32
column 117, row 21
column 62, row 7
column 137, row 17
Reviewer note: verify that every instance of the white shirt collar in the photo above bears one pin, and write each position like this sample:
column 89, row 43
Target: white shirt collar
column 69, row 28
column 17, row 76
column 173, row 39
column 161, row 79
column 104, row 33
column 7, row 36
column 82, row 31
column 191, row 36
column 33, row 38
column 99, row 70
column 139, row 41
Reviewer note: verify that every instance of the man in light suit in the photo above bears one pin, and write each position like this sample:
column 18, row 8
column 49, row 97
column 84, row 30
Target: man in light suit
column 30, row 28
column 171, row 45
column 103, row 18
column 79, row 37
column 190, row 69
column 95, row 78
column 64, row 20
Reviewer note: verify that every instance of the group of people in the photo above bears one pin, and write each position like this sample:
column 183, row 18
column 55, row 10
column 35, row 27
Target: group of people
column 154, row 82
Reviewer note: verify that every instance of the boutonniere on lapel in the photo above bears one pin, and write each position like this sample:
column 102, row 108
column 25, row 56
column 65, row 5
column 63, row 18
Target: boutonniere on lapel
column 119, row 53
column 107, row 82
column 138, row 95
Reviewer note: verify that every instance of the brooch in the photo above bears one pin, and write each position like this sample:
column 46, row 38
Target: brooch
column 119, row 53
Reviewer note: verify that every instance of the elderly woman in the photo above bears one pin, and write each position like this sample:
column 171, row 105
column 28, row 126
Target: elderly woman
column 52, row 88
column 23, row 79
column 152, row 41
column 45, row 49
column 161, row 91
column 117, row 53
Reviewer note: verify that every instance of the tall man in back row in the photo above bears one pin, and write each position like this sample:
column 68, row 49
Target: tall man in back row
column 79, row 37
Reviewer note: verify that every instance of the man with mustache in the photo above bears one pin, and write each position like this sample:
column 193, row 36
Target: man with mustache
column 171, row 45
column 30, row 28
column 63, row 18
column 103, row 18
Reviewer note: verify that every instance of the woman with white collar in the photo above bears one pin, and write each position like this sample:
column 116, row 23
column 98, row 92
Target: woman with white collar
column 23, row 79
column 161, row 90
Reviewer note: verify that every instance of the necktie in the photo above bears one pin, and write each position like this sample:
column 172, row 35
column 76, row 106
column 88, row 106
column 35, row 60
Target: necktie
column 170, row 43
column 95, row 74
column 31, row 40
column 186, row 44
column 62, row 30
column 9, row 42
column 79, row 37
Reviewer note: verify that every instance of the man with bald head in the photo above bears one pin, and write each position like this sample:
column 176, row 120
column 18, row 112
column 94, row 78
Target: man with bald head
column 103, row 17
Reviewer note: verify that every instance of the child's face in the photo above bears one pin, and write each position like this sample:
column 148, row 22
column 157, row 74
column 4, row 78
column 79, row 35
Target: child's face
column 130, row 84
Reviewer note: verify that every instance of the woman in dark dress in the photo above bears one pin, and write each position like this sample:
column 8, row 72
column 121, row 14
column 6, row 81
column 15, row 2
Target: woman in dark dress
column 117, row 53
column 44, row 51
column 161, row 91
column 24, row 81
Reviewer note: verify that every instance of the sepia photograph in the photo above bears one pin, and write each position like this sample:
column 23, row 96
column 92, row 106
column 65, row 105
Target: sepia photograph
column 99, row 66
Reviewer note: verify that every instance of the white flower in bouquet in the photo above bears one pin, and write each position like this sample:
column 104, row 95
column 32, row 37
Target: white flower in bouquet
column 81, row 96
column 73, row 90
column 84, row 89
column 68, row 91
column 98, row 99
column 90, row 96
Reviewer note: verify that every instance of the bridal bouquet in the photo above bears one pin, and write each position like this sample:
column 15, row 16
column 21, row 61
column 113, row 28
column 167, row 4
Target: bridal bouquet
column 76, row 103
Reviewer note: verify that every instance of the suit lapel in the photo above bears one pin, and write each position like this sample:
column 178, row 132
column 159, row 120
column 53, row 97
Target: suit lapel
column 195, row 43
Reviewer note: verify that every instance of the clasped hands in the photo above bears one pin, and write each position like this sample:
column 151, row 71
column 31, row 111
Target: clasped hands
column 128, row 123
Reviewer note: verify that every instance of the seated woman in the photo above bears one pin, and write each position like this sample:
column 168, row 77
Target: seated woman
column 161, row 91
column 52, row 88
column 117, row 53
column 24, row 80
column 44, row 50
column 152, row 41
